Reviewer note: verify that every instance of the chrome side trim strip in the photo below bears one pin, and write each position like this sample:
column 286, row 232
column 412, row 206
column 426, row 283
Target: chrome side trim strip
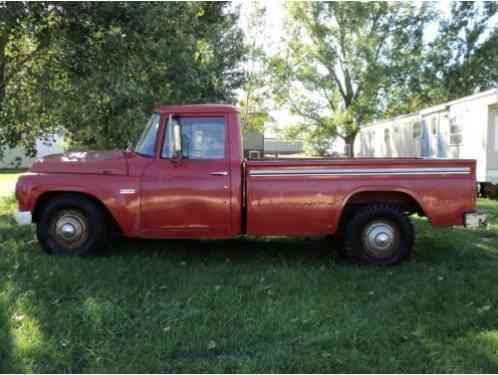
column 360, row 172
column 127, row 191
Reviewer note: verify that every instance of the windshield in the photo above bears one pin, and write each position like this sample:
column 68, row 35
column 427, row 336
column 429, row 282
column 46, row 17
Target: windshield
column 147, row 141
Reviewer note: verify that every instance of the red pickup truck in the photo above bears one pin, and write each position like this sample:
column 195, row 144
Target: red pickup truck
column 187, row 178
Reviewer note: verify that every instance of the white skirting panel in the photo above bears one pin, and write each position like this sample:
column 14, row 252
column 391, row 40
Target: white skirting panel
column 493, row 176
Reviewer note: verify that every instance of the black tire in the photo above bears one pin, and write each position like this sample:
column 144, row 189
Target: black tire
column 379, row 234
column 85, row 217
column 338, row 238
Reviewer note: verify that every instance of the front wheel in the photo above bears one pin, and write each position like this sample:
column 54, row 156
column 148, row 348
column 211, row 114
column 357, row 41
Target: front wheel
column 72, row 225
column 379, row 234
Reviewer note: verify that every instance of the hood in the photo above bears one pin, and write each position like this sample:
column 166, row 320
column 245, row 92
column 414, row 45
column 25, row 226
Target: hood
column 83, row 162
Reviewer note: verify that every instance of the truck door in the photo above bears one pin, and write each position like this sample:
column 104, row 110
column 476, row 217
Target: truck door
column 189, row 196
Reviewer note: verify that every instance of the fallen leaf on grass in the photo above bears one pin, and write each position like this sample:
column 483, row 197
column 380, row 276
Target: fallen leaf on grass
column 18, row 317
column 211, row 345
column 483, row 309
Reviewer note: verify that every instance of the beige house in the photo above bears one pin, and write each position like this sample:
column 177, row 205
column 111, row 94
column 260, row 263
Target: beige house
column 466, row 128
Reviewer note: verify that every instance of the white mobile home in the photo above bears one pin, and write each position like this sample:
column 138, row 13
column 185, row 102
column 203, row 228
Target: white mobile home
column 466, row 128
column 16, row 157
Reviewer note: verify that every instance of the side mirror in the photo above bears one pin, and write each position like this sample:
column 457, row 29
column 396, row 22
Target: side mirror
column 177, row 139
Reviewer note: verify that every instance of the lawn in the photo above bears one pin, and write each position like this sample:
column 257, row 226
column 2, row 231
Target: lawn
column 249, row 305
column 8, row 178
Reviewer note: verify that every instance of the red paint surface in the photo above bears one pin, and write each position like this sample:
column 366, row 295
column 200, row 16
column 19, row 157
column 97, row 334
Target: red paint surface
column 84, row 162
column 300, row 205
column 182, row 198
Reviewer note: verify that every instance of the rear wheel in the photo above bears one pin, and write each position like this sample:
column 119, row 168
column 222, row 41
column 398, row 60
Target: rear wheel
column 379, row 234
column 72, row 225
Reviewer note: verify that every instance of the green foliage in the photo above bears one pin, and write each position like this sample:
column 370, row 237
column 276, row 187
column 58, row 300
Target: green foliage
column 97, row 70
column 460, row 60
column 349, row 63
column 253, row 305
column 336, row 70
column 464, row 56
column 255, row 95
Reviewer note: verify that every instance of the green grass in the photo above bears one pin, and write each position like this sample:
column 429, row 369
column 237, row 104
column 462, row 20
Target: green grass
column 8, row 178
column 249, row 305
column 10, row 175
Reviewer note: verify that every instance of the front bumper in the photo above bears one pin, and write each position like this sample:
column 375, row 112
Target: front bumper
column 23, row 217
column 475, row 220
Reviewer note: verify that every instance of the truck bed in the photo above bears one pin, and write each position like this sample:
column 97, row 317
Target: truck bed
column 306, row 197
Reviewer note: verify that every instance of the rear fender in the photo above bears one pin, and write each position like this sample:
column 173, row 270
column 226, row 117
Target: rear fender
column 384, row 189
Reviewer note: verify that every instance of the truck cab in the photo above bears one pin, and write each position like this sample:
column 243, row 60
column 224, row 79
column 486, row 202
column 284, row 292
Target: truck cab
column 193, row 187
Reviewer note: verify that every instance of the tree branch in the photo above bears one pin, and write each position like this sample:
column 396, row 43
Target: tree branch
column 19, row 65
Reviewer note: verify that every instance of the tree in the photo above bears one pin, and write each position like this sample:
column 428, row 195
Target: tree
column 255, row 96
column 175, row 53
column 460, row 60
column 97, row 70
column 463, row 58
column 25, row 35
column 335, row 73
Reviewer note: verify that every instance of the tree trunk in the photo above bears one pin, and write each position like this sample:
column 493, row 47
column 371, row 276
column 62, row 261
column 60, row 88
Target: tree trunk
column 349, row 140
column 3, row 45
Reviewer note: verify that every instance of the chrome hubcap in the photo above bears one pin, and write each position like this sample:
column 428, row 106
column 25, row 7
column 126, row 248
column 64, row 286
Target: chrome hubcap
column 70, row 229
column 380, row 238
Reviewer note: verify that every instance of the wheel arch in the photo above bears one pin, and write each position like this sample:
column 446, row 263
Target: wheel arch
column 397, row 197
column 48, row 196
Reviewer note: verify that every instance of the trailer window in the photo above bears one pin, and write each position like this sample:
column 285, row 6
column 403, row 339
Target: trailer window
column 496, row 130
column 455, row 132
column 434, row 126
column 416, row 130
column 386, row 135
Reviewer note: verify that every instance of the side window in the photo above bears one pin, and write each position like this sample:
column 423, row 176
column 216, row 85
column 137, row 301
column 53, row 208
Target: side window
column 202, row 138
column 455, row 132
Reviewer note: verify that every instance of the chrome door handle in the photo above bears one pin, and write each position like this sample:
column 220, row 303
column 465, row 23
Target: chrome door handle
column 219, row 173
